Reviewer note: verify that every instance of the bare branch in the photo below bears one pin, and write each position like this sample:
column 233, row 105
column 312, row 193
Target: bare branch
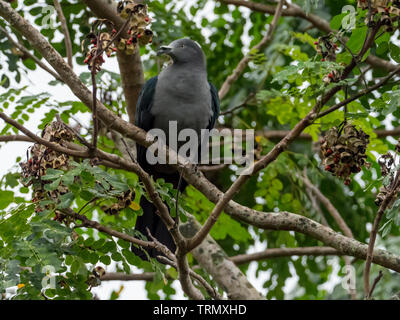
column 258, row 47
column 285, row 252
column 51, row 145
column 95, row 225
column 316, row 206
column 15, row 137
column 193, row 291
column 265, row 220
column 280, row 134
column 111, row 276
column 377, row 279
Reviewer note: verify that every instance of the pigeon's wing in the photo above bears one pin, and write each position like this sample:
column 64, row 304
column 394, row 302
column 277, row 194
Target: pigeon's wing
column 143, row 116
column 214, row 106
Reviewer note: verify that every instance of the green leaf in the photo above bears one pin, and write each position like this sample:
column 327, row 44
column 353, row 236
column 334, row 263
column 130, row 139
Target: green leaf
column 75, row 266
column 52, row 186
column 52, row 174
column 65, row 200
column 356, row 40
column 6, row 198
column 105, row 259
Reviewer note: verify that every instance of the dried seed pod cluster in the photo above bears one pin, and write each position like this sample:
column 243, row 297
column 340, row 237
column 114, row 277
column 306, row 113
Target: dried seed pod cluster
column 94, row 57
column 343, row 151
column 389, row 11
column 43, row 158
column 326, row 47
column 94, row 278
column 389, row 171
column 386, row 163
column 138, row 22
column 138, row 34
column 124, row 201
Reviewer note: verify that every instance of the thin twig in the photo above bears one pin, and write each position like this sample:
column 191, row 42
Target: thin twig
column 243, row 104
column 329, row 206
column 99, row 52
column 377, row 279
column 30, row 55
column 95, row 225
column 360, row 94
column 284, row 252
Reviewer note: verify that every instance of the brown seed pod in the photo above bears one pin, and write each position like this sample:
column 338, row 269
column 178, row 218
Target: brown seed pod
column 42, row 159
column 123, row 202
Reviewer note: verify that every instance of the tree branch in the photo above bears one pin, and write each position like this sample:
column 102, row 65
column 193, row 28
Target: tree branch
column 112, row 276
column 95, row 225
column 284, row 252
column 214, row 260
column 329, row 206
column 210, row 290
column 361, row 93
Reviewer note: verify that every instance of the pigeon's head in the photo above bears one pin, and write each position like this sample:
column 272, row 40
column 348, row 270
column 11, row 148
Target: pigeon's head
column 184, row 51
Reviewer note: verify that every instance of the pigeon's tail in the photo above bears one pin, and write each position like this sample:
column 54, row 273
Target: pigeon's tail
column 150, row 220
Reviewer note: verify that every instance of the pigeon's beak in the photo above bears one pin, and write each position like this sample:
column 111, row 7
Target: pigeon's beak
column 164, row 50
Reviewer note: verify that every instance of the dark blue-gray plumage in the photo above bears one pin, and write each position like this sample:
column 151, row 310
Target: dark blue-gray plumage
column 180, row 93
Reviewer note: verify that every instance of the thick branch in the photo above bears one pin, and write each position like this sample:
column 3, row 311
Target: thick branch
column 214, row 260
column 15, row 137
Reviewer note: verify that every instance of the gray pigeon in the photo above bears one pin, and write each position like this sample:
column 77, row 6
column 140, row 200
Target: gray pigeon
column 181, row 93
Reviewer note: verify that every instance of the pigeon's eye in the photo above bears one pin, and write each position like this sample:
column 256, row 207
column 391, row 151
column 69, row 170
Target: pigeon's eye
column 182, row 46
